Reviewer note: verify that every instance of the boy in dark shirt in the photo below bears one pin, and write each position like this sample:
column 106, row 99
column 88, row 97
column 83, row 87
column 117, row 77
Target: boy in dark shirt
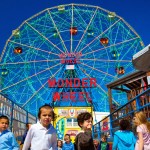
column 25, row 134
column 103, row 144
column 83, row 140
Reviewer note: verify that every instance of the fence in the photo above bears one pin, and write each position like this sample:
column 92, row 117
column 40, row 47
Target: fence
column 18, row 116
column 110, row 124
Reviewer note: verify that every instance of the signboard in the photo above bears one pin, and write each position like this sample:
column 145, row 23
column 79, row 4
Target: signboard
column 70, row 58
column 66, row 122
column 72, row 83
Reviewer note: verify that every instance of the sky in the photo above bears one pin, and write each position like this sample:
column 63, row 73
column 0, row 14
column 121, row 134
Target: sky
column 14, row 12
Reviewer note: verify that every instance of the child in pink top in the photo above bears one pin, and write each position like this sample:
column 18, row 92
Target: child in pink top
column 143, row 131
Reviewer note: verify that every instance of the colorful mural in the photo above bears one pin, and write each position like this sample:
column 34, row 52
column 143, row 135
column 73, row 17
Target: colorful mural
column 66, row 122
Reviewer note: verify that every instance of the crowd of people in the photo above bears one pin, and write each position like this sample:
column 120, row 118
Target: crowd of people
column 42, row 135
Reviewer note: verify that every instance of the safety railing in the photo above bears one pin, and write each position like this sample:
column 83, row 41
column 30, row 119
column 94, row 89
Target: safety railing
column 18, row 116
column 110, row 124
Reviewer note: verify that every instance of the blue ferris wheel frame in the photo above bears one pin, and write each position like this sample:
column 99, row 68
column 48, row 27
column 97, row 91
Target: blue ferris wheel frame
column 67, row 42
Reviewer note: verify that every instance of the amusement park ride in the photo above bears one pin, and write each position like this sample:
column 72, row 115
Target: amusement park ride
column 65, row 56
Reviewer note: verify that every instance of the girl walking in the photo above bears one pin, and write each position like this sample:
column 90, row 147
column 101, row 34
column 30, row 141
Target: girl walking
column 143, row 131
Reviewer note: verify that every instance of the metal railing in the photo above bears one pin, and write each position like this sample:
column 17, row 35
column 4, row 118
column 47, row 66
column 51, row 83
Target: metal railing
column 110, row 123
column 18, row 116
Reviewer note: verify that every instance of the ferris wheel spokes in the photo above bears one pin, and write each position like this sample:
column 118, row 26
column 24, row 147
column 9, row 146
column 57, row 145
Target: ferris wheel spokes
column 53, row 39
column 102, row 60
column 99, row 86
column 86, row 29
column 44, row 37
column 29, row 62
column 93, row 51
column 25, row 45
column 98, row 70
column 57, row 31
column 99, row 35
column 42, row 86
column 29, row 77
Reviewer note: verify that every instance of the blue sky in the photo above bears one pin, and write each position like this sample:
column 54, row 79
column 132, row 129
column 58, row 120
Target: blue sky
column 14, row 12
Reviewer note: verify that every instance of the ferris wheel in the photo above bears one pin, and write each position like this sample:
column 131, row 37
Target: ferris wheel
column 62, row 42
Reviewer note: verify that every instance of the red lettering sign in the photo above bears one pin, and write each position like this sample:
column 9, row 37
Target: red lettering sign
column 51, row 82
column 70, row 58
column 56, row 96
column 73, row 96
column 72, row 82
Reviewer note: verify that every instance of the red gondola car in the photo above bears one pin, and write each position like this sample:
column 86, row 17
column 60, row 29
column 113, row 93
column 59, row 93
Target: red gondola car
column 18, row 50
column 104, row 41
column 73, row 30
column 120, row 70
